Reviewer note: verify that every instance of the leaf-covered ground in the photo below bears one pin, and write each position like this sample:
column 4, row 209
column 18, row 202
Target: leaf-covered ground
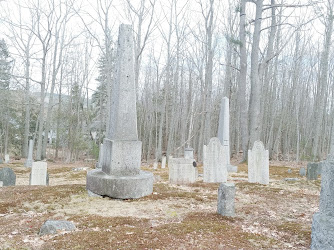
column 276, row 216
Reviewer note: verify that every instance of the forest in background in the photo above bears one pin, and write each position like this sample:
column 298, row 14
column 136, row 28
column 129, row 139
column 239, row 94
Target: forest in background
column 273, row 60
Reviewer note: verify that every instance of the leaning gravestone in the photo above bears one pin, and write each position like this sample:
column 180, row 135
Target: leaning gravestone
column 226, row 194
column 182, row 171
column 7, row 176
column 6, row 158
column 224, row 132
column 323, row 221
column 30, row 151
column 258, row 164
column 38, row 174
column 312, row 170
column 120, row 176
column 214, row 161
column 54, row 226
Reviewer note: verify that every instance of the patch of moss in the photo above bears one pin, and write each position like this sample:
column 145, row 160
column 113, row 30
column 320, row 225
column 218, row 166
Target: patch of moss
column 294, row 229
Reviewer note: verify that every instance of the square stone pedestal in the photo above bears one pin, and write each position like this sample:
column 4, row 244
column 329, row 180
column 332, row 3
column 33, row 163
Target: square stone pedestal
column 182, row 171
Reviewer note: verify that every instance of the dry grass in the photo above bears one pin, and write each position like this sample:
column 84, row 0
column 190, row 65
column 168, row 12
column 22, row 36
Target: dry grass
column 175, row 216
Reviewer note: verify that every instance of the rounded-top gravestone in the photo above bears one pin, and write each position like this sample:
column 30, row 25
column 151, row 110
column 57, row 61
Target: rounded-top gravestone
column 7, row 176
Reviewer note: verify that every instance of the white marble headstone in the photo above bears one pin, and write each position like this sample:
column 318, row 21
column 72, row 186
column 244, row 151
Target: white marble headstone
column 215, row 161
column 38, row 173
column 258, row 164
column 6, row 158
column 163, row 162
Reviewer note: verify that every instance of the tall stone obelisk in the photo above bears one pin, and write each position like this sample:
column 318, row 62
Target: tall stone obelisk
column 120, row 176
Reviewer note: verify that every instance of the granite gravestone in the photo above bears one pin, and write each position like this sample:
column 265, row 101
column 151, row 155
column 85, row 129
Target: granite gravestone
column 6, row 158
column 189, row 153
column 258, row 164
column 312, row 170
column 322, row 225
column 226, row 195
column 120, row 176
column 163, row 162
column 215, row 161
column 7, row 176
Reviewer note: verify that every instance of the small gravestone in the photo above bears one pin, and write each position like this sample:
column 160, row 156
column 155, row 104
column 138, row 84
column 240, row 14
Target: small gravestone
column 163, row 162
column 322, row 225
column 289, row 171
column 312, row 170
column 226, row 195
column 1, row 183
column 182, row 171
column 55, row 226
column 7, row 176
column 215, row 162
column 189, row 153
column 258, row 164
column 302, row 171
column 6, row 158
column 29, row 160
column 155, row 165
column 38, row 174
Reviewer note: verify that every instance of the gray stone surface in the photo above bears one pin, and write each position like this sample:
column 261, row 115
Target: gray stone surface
column 99, row 164
column 258, row 164
column 1, row 183
column 155, row 165
column 163, row 162
column 226, row 195
column 189, row 153
column 54, row 226
column 30, row 160
column 323, row 221
column 182, row 171
column 7, row 176
column 289, row 171
column 312, row 170
column 38, row 173
column 120, row 175
column 291, row 179
column 232, row 169
column 215, row 162
column 302, row 171
column 6, row 158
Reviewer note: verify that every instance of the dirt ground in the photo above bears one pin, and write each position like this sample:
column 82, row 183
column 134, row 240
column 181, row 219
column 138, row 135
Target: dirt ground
column 276, row 216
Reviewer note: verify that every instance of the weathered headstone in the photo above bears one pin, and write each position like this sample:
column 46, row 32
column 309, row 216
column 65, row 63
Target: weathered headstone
column 55, row 226
column 312, row 170
column 258, row 164
column 120, row 176
column 182, row 171
column 323, row 221
column 7, row 176
column 189, row 153
column 99, row 164
column 6, row 158
column 155, row 165
column 224, row 132
column 302, row 171
column 226, row 195
column 30, row 152
column 1, row 183
column 163, row 162
column 38, row 174
column 215, row 161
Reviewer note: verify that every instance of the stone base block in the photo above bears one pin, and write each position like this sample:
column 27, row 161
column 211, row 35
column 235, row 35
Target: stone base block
column 120, row 187
column 322, row 232
column 232, row 169
column 182, row 171
column 226, row 194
